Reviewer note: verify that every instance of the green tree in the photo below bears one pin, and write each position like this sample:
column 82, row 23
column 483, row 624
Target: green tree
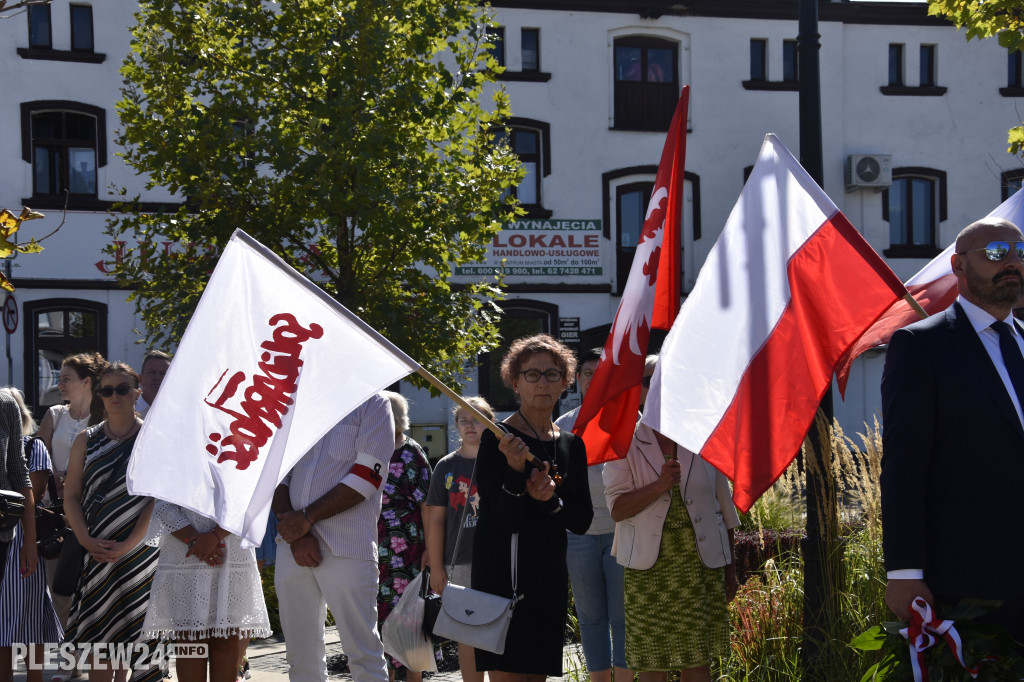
column 355, row 138
column 984, row 19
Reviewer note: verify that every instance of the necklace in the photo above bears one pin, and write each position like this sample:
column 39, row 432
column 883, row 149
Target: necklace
column 555, row 476
column 126, row 434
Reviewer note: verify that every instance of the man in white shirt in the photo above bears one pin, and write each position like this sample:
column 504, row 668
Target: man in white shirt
column 154, row 366
column 953, row 457
column 327, row 510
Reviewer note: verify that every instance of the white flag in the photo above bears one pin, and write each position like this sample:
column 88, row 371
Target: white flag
column 268, row 364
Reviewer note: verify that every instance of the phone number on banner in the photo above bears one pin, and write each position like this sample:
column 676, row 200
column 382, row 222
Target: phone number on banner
column 521, row 270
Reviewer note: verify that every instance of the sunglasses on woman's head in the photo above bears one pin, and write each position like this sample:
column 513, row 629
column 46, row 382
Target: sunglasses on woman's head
column 120, row 389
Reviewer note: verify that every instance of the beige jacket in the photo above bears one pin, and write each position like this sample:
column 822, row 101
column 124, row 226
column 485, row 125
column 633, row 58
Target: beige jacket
column 704, row 489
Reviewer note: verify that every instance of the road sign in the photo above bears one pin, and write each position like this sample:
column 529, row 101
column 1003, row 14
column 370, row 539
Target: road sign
column 10, row 314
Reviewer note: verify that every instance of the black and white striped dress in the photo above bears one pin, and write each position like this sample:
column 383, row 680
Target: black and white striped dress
column 110, row 602
column 28, row 615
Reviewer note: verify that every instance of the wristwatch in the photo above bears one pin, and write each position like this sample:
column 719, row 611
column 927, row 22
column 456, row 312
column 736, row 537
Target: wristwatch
column 557, row 508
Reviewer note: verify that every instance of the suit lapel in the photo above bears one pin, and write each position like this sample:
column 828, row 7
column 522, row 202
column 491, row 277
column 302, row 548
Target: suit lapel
column 650, row 449
column 969, row 345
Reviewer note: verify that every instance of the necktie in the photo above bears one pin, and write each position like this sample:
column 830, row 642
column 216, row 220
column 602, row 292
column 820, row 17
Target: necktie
column 1012, row 358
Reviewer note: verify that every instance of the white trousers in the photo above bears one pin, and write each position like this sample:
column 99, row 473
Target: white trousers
column 349, row 588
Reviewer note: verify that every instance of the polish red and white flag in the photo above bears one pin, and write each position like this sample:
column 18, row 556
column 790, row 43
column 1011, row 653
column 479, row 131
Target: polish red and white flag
column 934, row 287
column 787, row 288
column 268, row 364
column 650, row 300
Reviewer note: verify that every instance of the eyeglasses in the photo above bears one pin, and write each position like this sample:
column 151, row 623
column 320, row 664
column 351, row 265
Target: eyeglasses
column 997, row 251
column 466, row 423
column 646, row 382
column 120, row 389
column 532, row 376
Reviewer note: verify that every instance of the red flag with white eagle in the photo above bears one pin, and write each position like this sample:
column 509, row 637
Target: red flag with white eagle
column 650, row 300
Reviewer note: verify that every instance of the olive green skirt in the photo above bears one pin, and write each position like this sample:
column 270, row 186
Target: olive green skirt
column 676, row 613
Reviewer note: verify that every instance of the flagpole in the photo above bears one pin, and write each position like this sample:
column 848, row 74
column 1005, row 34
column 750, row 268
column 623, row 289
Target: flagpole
column 464, row 405
column 912, row 302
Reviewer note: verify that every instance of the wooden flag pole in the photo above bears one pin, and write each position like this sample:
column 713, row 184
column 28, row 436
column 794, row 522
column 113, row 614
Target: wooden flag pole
column 461, row 402
column 912, row 302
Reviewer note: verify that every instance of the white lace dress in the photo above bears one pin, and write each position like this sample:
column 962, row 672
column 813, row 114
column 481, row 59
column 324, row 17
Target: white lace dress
column 191, row 600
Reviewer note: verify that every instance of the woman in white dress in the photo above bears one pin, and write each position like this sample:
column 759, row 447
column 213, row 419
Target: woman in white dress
column 206, row 589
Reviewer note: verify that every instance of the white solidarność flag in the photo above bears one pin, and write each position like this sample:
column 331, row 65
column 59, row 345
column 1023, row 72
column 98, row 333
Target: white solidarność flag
column 268, row 364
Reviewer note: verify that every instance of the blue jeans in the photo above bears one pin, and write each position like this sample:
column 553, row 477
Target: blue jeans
column 597, row 590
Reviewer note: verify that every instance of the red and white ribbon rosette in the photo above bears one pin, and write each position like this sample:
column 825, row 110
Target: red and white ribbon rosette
column 924, row 632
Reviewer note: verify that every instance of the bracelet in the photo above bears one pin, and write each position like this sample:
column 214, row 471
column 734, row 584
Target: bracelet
column 306, row 516
column 192, row 540
column 558, row 508
column 509, row 492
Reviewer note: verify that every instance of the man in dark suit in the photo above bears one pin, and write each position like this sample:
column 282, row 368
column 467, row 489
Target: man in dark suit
column 953, row 458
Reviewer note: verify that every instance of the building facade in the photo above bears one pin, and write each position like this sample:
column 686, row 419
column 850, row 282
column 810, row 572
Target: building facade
column 914, row 138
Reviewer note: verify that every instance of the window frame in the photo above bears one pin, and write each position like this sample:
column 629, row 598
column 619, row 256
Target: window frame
column 759, row 48
column 38, row 9
column 927, row 66
column 496, row 37
column 635, row 175
column 790, row 60
column 1014, row 74
column 905, row 250
column 28, row 145
column 63, row 346
column 543, row 130
column 897, row 78
column 501, row 398
column 92, row 30
column 644, row 105
column 1008, row 178
column 523, row 32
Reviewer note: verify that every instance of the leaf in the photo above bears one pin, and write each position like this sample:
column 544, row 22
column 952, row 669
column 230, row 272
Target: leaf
column 28, row 214
column 31, row 247
column 871, row 639
column 6, row 284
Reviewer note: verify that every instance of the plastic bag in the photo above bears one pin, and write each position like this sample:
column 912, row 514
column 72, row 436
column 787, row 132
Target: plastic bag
column 403, row 631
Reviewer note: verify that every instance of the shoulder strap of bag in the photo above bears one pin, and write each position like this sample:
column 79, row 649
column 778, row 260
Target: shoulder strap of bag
column 462, row 522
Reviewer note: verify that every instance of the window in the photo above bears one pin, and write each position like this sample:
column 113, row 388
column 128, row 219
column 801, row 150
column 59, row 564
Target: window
column 520, row 318
column 895, row 64
column 927, row 66
column 1012, row 181
column 630, row 210
column 65, row 143
column 57, row 328
column 63, row 153
column 496, row 38
column 1014, row 75
column 790, row 70
column 914, row 205
column 758, row 59
column 81, row 28
column 40, row 35
column 529, row 139
column 626, row 193
column 646, row 83
column 530, row 46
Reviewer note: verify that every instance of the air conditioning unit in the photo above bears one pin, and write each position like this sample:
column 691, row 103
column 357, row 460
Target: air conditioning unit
column 868, row 170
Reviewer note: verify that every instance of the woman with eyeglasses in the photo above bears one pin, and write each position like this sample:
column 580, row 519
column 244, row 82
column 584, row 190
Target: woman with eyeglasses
column 453, row 506
column 117, row 569
column 532, row 482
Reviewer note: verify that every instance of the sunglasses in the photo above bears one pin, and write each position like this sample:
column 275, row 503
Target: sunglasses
column 120, row 389
column 997, row 251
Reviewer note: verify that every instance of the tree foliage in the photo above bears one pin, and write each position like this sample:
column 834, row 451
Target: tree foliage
column 354, row 138
column 984, row 19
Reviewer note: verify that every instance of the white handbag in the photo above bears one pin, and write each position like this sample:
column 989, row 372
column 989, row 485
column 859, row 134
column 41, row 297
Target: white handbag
column 476, row 618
